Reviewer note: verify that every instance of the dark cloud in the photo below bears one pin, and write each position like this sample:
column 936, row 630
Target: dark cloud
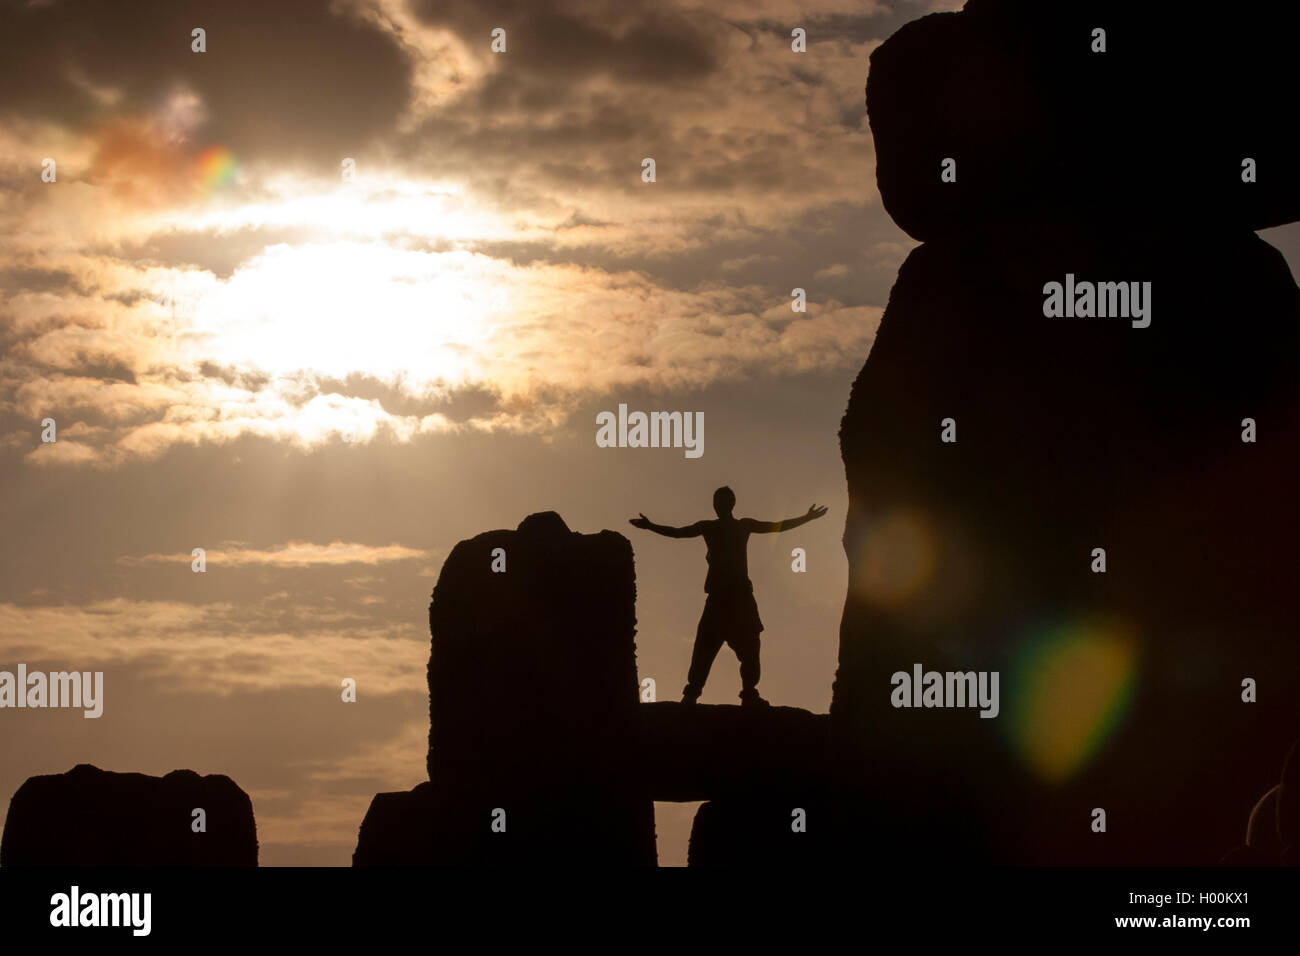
column 221, row 254
column 810, row 241
column 457, row 404
column 252, row 381
column 563, row 42
column 593, row 139
column 537, row 102
column 36, row 280
column 277, row 80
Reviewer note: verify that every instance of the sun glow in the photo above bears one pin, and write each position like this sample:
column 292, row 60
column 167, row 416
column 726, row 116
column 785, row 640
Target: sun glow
column 342, row 307
column 376, row 287
column 363, row 293
column 384, row 205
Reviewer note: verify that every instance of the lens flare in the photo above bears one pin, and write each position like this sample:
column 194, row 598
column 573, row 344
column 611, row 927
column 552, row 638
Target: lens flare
column 215, row 168
column 1069, row 689
column 897, row 559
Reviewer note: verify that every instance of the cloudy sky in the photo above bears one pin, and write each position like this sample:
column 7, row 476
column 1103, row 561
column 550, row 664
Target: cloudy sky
column 349, row 287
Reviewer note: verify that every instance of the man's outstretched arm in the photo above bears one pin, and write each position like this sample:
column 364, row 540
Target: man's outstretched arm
column 690, row 531
column 763, row 527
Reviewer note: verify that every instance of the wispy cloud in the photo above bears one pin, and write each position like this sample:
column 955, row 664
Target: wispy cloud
column 221, row 648
column 294, row 554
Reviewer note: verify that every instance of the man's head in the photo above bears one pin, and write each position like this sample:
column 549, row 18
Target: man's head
column 724, row 499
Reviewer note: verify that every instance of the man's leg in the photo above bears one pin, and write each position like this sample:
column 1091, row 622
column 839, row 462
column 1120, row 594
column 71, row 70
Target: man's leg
column 743, row 639
column 746, row 647
column 747, row 651
column 708, row 641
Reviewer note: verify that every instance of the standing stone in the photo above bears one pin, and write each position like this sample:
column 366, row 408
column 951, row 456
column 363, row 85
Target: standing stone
column 533, row 701
column 1118, row 690
column 93, row 817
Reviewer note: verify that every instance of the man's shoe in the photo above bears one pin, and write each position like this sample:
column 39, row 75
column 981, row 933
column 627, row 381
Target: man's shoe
column 690, row 695
column 751, row 699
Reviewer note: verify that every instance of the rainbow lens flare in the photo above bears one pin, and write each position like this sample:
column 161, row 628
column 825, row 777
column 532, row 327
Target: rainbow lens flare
column 1069, row 689
column 216, row 168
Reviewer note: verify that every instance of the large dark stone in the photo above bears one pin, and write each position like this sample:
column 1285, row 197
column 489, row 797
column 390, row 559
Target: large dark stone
column 720, row 752
column 533, row 702
column 425, row 827
column 93, row 817
column 1074, row 434
column 679, row 753
column 1154, row 130
column 759, row 831
column 1120, row 691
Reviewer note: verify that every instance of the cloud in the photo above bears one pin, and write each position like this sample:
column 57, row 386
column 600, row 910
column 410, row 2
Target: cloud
column 309, row 80
column 274, row 350
column 220, row 648
column 567, row 42
column 497, row 241
column 294, row 554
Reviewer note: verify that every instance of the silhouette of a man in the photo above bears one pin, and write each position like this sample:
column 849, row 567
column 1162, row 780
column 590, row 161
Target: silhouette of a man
column 730, row 612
